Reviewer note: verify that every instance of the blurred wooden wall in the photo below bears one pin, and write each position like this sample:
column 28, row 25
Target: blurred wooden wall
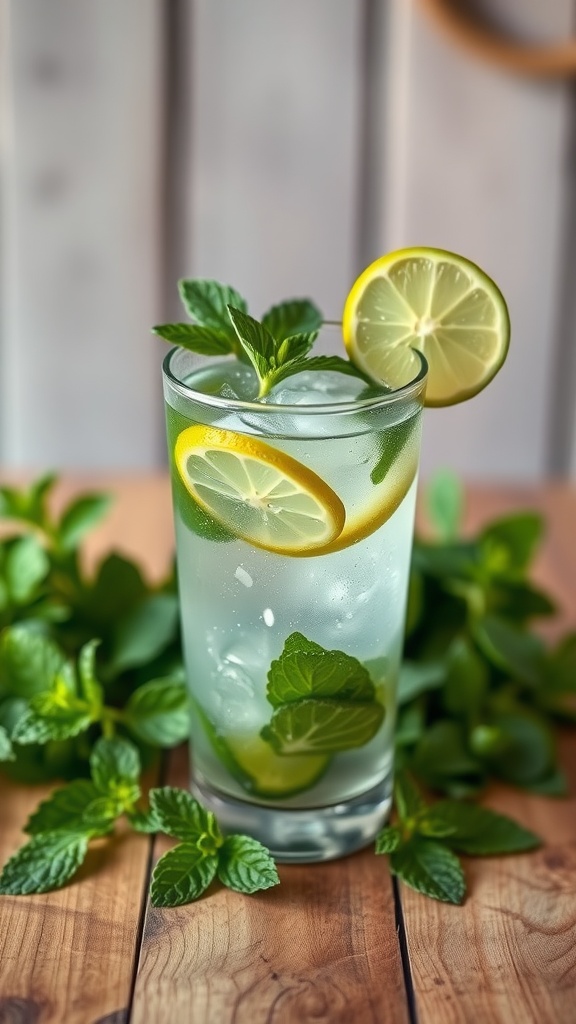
column 279, row 147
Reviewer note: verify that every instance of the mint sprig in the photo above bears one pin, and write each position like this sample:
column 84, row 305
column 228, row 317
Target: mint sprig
column 71, row 699
column 185, row 872
column 423, row 846
column 63, row 826
column 277, row 347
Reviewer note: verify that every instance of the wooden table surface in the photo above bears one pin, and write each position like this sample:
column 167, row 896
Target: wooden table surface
column 338, row 942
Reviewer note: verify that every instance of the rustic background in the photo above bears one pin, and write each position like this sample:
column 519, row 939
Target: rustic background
column 279, row 146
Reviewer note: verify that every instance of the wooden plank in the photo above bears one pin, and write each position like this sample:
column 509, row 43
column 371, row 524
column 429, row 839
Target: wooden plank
column 80, row 378
column 462, row 170
column 508, row 956
column 70, row 955
column 272, row 147
column 321, row 946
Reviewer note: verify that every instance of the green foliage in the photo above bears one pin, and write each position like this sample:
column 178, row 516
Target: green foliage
column 479, row 690
column 91, row 681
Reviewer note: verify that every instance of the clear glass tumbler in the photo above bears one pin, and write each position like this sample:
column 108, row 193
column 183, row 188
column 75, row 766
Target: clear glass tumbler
column 289, row 744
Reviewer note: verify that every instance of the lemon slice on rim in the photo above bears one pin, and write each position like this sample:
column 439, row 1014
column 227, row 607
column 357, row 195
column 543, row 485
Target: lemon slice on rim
column 438, row 303
column 257, row 492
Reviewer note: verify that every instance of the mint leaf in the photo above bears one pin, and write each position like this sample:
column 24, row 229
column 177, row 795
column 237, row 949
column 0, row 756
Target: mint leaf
column 518, row 601
column 511, row 649
column 92, row 691
column 29, row 662
column 332, row 364
column 388, row 839
column 6, row 750
column 26, row 567
column 431, row 868
column 273, row 361
column 206, row 341
column 116, row 590
column 56, row 714
column 391, row 444
column 509, row 544
column 315, row 672
column 80, row 517
column 28, row 504
column 144, row 821
column 257, row 342
column 295, row 316
column 467, row 680
column 113, row 761
column 245, row 865
column 101, row 814
column 442, row 756
column 476, row 830
column 527, row 751
column 322, row 726
column 297, row 643
column 47, row 862
column 418, row 677
column 144, row 632
column 64, row 809
column 408, row 799
column 182, row 817
column 207, row 302
column 159, row 712
column 445, row 500
column 181, row 876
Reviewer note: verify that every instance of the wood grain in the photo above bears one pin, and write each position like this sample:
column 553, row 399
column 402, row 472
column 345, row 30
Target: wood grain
column 509, row 954
column 321, row 947
column 68, row 956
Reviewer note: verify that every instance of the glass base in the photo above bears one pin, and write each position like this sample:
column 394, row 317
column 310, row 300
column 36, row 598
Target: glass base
column 302, row 837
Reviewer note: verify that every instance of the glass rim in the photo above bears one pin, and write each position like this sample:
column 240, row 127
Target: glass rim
column 402, row 393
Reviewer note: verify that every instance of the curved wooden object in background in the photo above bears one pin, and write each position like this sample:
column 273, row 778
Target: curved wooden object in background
column 550, row 60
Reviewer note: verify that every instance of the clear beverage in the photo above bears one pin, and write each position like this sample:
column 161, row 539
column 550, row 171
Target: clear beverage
column 326, row 789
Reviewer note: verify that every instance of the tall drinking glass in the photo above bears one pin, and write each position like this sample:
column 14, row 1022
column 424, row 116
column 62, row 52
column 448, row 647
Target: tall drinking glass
column 291, row 745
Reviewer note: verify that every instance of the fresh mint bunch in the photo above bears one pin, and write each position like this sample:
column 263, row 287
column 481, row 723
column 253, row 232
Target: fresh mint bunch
column 479, row 690
column 79, row 654
column 423, row 844
column 277, row 347
column 58, row 701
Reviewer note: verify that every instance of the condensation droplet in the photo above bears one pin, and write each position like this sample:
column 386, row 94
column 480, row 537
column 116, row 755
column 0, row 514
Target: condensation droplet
column 268, row 616
column 243, row 577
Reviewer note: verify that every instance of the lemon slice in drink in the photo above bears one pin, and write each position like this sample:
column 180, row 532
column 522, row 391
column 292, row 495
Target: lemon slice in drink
column 436, row 302
column 388, row 492
column 257, row 492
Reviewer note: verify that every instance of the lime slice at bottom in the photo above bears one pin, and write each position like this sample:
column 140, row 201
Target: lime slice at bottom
column 269, row 775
